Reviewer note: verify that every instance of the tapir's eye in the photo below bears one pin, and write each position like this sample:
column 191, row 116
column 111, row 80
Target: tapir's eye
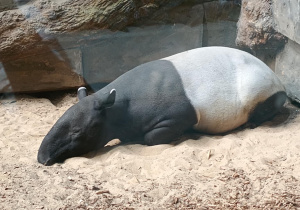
column 76, row 133
column 76, row 129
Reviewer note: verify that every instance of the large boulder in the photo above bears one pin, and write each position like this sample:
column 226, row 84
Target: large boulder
column 256, row 26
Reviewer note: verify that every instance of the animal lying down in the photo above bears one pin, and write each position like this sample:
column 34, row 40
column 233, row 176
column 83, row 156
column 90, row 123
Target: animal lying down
column 211, row 89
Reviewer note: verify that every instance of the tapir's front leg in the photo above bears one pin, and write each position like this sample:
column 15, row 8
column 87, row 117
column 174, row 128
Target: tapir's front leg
column 165, row 132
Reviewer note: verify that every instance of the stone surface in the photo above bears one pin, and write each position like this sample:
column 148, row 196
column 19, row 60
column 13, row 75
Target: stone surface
column 287, row 69
column 7, row 5
column 222, row 11
column 220, row 23
column 46, row 40
column 287, row 18
column 113, row 53
column 287, row 22
column 104, row 59
column 42, row 39
column 256, row 26
column 32, row 21
column 108, row 57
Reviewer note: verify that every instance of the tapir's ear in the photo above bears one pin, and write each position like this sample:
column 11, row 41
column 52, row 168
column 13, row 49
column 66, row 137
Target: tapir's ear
column 107, row 102
column 110, row 100
column 81, row 93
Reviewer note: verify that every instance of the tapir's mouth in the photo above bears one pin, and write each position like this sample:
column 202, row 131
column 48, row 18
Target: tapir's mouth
column 57, row 158
column 46, row 161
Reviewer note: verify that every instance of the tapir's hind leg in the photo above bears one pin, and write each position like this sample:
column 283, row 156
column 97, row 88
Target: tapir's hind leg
column 267, row 109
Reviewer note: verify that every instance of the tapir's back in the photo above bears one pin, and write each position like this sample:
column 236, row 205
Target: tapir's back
column 224, row 85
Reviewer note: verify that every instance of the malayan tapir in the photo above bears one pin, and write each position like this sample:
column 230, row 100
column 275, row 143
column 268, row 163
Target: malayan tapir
column 210, row 89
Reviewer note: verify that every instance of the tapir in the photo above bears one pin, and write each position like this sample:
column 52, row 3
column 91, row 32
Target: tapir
column 210, row 90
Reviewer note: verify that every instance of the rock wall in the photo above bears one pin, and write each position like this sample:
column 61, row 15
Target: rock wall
column 287, row 69
column 270, row 29
column 58, row 44
column 286, row 18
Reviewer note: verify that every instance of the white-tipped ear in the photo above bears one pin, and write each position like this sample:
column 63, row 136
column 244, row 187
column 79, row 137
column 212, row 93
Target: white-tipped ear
column 112, row 90
column 81, row 93
column 107, row 102
column 111, row 98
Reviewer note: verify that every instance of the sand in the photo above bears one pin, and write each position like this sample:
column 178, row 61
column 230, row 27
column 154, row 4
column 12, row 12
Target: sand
column 244, row 169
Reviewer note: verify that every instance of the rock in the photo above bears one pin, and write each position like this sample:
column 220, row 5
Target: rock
column 175, row 30
column 115, row 53
column 287, row 18
column 220, row 23
column 287, row 69
column 31, row 22
column 49, row 45
column 7, row 5
column 222, row 11
column 50, row 71
column 256, row 26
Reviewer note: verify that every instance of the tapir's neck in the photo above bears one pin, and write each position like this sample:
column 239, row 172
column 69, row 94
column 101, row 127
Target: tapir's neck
column 116, row 122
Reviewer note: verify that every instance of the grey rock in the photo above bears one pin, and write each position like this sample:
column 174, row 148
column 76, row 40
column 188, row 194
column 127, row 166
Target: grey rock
column 287, row 68
column 287, row 18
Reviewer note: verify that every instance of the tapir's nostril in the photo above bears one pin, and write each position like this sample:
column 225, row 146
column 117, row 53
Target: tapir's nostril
column 47, row 163
column 43, row 158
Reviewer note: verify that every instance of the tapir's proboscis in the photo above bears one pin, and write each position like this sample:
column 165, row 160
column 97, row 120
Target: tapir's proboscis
column 211, row 90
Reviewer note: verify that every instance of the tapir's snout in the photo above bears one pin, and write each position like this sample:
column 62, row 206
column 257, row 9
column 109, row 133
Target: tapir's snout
column 48, row 157
column 50, row 154
column 42, row 158
column 45, row 161
column 44, row 154
column 55, row 147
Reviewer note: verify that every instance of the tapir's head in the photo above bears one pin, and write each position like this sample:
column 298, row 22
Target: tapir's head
column 78, row 131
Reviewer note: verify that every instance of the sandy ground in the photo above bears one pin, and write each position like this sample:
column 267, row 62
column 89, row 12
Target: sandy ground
column 246, row 169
